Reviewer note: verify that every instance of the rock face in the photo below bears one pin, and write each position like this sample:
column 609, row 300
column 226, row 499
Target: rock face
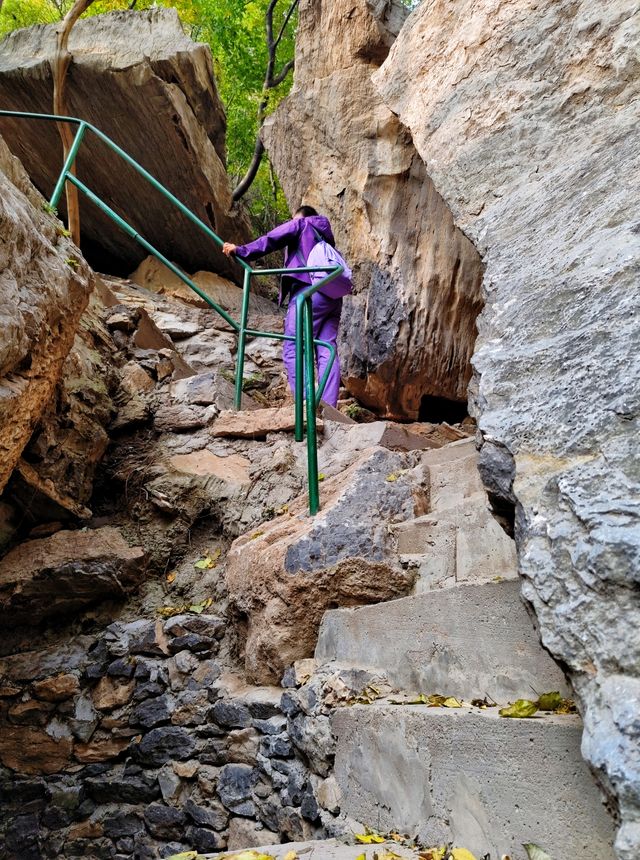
column 138, row 78
column 44, row 288
column 59, row 575
column 525, row 117
column 282, row 578
column 409, row 331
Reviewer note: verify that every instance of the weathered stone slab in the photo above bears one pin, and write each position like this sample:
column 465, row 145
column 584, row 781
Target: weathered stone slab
column 61, row 574
column 142, row 81
column 255, row 424
column 340, row 557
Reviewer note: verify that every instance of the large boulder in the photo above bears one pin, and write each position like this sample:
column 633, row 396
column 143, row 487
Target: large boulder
column 526, row 115
column 61, row 574
column 408, row 332
column 141, row 80
column 283, row 577
column 44, row 288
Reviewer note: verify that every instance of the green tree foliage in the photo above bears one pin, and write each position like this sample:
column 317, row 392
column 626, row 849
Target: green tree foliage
column 235, row 31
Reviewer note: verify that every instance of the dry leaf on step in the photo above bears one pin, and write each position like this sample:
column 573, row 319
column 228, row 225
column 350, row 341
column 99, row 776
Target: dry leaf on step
column 290, row 855
column 521, row 708
column 369, row 838
column 534, row 852
column 462, row 854
column 550, row 701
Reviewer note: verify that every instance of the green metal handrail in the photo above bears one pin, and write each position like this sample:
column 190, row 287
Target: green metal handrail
column 304, row 340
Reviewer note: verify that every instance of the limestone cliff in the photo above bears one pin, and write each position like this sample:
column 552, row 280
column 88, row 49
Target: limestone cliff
column 526, row 115
column 141, row 80
column 409, row 331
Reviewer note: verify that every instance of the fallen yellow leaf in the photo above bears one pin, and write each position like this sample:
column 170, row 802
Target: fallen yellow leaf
column 462, row 854
column 433, row 853
column 452, row 702
column 369, row 838
column 291, row 855
column 521, row 709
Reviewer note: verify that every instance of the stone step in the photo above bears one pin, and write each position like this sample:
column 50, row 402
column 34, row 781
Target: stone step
column 326, row 849
column 470, row 777
column 452, row 474
column 468, row 641
column 460, row 544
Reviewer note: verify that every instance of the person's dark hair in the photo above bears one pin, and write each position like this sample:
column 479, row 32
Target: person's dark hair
column 306, row 211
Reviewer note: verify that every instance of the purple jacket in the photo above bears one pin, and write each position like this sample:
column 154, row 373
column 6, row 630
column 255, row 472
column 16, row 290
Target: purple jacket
column 297, row 238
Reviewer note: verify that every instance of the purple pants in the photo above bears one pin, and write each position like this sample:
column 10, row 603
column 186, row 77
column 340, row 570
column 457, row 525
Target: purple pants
column 326, row 319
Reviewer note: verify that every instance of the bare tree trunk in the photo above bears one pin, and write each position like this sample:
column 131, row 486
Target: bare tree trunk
column 59, row 67
column 271, row 80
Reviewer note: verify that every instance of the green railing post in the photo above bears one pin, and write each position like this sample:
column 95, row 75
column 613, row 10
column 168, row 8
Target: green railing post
column 242, row 337
column 68, row 164
column 312, row 441
column 299, row 392
column 304, row 340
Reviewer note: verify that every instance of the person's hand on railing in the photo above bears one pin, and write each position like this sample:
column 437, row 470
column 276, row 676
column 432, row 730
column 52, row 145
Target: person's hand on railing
column 229, row 248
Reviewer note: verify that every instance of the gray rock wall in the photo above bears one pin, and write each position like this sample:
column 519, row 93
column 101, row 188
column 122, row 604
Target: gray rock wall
column 526, row 116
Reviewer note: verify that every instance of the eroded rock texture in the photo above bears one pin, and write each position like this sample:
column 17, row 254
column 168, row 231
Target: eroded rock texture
column 138, row 78
column 44, row 288
column 409, row 331
column 526, row 115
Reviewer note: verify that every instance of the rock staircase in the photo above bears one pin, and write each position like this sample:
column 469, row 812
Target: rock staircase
column 461, row 775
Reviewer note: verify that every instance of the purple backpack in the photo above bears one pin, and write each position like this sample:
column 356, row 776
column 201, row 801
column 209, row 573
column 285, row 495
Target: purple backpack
column 325, row 255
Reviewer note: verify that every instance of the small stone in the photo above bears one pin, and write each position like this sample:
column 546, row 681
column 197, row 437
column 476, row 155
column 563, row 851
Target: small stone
column 134, row 379
column 164, row 822
column 152, row 712
column 243, row 746
column 231, row 715
column 109, row 694
column 185, row 769
column 234, row 787
column 164, row 744
column 56, row 689
column 205, row 840
column 169, row 783
column 272, row 726
column 121, row 668
column 309, row 807
column 192, row 709
column 329, row 795
column 31, row 713
column 114, row 787
column 276, row 745
column 123, row 824
column 104, row 749
column 192, row 642
column 86, row 830
column 205, row 625
column 244, row 833
column 213, row 815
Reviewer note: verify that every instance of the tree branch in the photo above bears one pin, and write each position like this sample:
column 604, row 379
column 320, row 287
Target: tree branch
column 271, row 80
column 283, row 74
column 59, row 67
column 287, row 18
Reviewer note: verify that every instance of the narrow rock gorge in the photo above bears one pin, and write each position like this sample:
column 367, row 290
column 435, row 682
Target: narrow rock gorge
column 190, row 664
column 408, row 332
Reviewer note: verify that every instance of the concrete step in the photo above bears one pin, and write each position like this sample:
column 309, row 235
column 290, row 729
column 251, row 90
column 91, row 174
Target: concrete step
column 468, row 641
column 467, row 776
column 326, row 849
column 452, row 474
column 460, row 544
